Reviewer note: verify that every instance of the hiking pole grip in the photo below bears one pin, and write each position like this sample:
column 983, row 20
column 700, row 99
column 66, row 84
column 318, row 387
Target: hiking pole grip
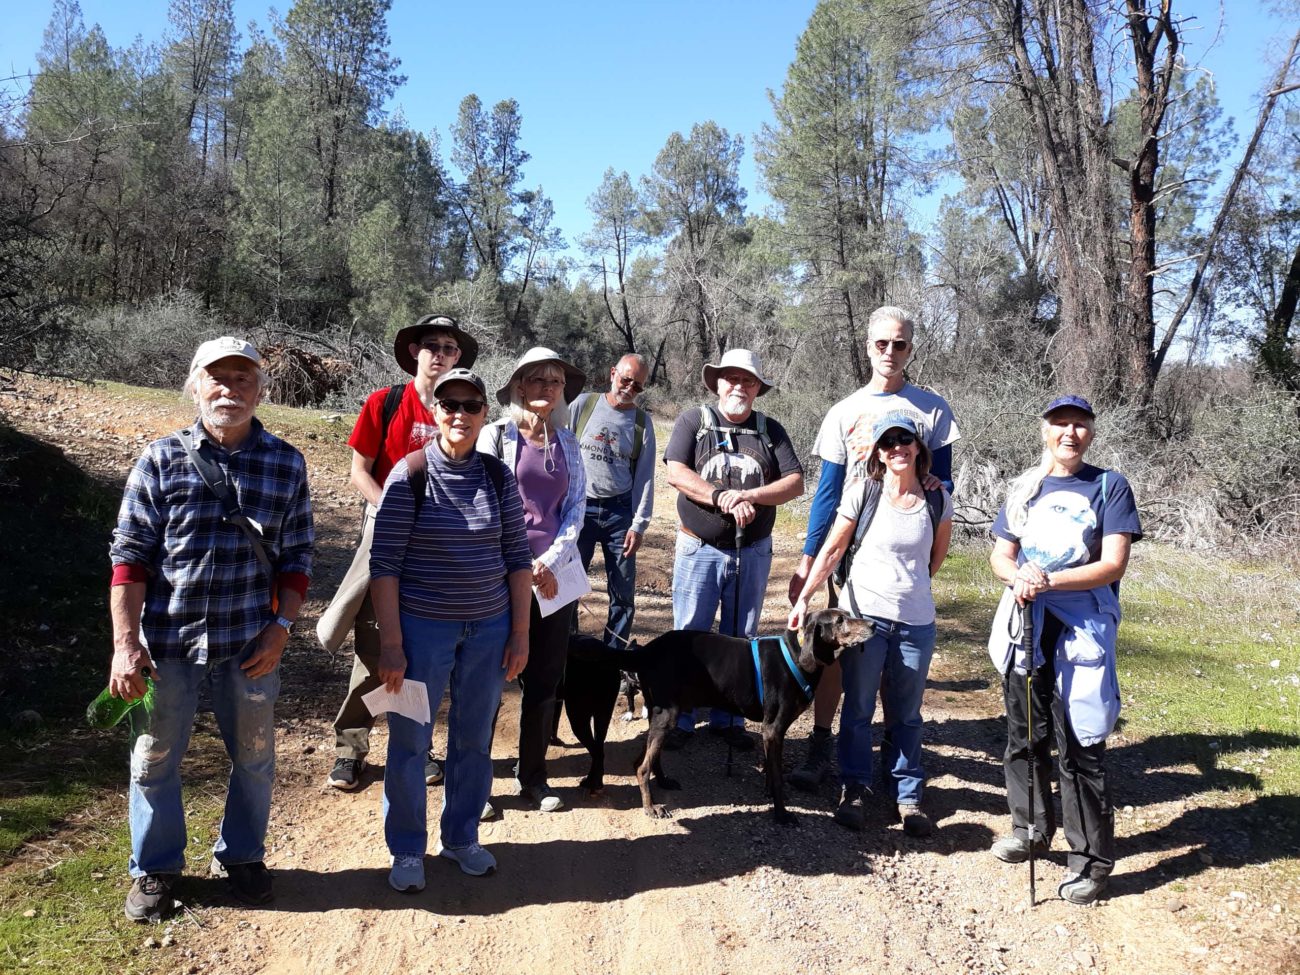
column 1027, row 635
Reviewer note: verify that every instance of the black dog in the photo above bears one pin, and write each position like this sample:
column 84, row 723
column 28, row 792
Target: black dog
column 591, row 679
column 689, row 669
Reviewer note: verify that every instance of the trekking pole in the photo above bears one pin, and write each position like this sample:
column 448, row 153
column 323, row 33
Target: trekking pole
column 735, row 613
column 1027, row 635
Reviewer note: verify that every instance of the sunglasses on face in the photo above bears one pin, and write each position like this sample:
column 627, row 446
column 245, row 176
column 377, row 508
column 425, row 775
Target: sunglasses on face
column 471, row 406
column 891, row 440
column 899, row 345
column 740, row 379
column 629, row 381
column 437, row 348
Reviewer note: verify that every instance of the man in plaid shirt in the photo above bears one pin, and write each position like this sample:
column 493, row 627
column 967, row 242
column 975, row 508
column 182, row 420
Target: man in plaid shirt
column 194, row 603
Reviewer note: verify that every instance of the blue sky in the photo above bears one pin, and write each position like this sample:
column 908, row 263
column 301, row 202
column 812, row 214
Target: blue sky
column 604, row 84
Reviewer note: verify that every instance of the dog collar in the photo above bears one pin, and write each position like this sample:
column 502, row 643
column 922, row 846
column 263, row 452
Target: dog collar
column 789, row 662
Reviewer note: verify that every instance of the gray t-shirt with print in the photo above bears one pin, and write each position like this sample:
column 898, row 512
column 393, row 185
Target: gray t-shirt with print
column 606, row 447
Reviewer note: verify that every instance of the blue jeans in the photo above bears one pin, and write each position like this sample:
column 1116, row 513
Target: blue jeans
column 895, row 662
column 244, row 710
column 704, row 580
column 608, row 521
column 469, row 654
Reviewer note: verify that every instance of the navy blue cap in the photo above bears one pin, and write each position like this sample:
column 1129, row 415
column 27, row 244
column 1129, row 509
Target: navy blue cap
column 895, row 420
column 1061, row 402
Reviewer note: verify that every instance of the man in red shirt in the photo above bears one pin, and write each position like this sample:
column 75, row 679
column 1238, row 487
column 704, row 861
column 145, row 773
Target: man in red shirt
column 393, row 422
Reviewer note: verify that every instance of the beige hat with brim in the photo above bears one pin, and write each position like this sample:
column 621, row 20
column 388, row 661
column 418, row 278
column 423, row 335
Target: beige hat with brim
column 736, row 359
column 215, row 350
column 574, row 378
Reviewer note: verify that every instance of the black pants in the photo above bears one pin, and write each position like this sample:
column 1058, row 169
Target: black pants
column 548, row 647
column 1085, row 793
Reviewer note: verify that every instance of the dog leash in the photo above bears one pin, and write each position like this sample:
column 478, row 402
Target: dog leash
column 789, row 662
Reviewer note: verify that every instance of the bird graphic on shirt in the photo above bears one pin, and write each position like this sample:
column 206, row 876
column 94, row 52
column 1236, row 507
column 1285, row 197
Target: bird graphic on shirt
column 1057, row 532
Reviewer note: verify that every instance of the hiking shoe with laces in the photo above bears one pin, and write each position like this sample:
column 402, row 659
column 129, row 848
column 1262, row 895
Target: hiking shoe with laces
column 816, row 764
column 676, row 738
column 249, row 882
column 1015, row 849
column 915, row 822
column 735, row 736
column 407, row 875
column 432, row 769
column 851, row 812
column 542, row 796
column 472, row 859
column 1078, row 889
column 346, row 774
column 150, row 897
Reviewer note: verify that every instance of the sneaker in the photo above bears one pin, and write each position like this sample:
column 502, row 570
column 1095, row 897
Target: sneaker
column 489, row 812
column 249, row 882
column 346, row 774
column 1015, row 849
column 473, row 859
column 851, row 813
column 150, row 897
column 915, row 822
column 735, row 736
column 676, row 738
column 432, row 769
column 407, row 875
column 816, row 764
column 542, row 796
column 1078, row 889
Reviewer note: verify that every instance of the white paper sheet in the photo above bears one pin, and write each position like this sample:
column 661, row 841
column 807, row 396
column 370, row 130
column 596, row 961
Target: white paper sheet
column 573, row 583
column 412, row 701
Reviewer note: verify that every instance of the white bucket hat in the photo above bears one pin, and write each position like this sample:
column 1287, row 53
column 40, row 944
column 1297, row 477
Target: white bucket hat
column 214, row 350
column 574, row 378
column 736, row 359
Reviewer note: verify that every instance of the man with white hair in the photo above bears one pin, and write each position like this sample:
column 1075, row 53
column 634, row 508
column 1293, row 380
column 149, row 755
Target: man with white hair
column 731, row 466
column 211, row 560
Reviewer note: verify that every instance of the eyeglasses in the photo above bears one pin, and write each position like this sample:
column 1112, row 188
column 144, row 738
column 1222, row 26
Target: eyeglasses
column 471, row 406
column 629, row 381
column 739, row 379
column 438, row 348
column 543, row 381
column 900, row 345
column 891, row 440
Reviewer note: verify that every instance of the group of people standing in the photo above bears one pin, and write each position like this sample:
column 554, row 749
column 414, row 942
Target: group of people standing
column 470, row 527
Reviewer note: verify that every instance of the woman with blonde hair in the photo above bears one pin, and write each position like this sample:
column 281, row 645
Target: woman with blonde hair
column 1061, row 546
column 534, row 443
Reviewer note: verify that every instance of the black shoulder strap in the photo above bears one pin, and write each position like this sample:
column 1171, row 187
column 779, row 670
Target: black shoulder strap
column 392, row 401
column 871, row 489
column 417, row 476
column 215, row 479
column 496, row 472
column 638, row 435
column 934, row 501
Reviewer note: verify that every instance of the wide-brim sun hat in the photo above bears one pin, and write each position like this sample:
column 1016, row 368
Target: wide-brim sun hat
column 574, row 378
column 894, row 420
column 1067, row 402
column 413, row 333
column 214, row 350
column 736, row 359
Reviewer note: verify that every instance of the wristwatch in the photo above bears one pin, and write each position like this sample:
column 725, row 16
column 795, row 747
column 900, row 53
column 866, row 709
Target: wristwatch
column 286, row 623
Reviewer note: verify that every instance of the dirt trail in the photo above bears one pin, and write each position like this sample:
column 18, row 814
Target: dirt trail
column 718, row 888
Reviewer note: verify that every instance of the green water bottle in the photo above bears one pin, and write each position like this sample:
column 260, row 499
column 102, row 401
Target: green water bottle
column 107, row 710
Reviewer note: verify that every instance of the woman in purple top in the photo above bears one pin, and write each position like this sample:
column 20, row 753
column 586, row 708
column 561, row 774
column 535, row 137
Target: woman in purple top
column 535, row 444
column 450, row 571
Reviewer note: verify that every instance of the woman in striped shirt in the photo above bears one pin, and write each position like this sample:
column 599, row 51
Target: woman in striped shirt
column 451, row 577
column 534, row 443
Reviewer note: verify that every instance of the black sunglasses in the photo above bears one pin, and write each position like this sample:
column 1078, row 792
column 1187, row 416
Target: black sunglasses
column 629, row 381
column 891, row 440
column 471, row 406
column 900, row 345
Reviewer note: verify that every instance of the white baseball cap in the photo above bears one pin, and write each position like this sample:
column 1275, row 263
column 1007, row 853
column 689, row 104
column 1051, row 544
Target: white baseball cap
column 222, row 348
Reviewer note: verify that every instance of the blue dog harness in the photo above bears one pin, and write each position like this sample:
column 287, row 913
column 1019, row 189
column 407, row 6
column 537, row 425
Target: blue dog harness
column 789, row 662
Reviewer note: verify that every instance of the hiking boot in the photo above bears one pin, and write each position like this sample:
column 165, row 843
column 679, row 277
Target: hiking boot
column 150, row 897
column 249, row 882
column 407, row 875
column 432, row 769
column 542, row 796
column 851, row 812
column 472, row 859
column 915, row 822
column 816, row 764
column 1015, row 849
column 1078, row 889
column 676, row 738
column 346, row 774
column 735, row 736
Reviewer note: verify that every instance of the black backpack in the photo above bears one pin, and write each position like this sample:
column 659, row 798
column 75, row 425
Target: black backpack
column 392, row 400
column 871, row 491
column 418, row 477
